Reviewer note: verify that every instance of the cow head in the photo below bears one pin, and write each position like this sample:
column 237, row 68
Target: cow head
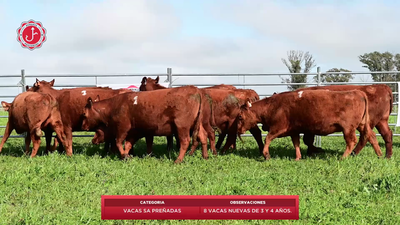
column 246, row 119
column 6, row 105
column 91, row 116
column 99, row 136
column 149, row 84
column 39, row 86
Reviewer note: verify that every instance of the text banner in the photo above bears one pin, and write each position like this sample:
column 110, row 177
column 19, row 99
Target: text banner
column 200, row 207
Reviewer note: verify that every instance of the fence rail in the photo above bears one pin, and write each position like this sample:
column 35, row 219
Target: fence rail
column 188, row 80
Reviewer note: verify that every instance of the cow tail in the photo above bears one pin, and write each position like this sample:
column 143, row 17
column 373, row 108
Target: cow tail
column 213, row 123
column 198, row 121
column 365, row 119
column 391, row 99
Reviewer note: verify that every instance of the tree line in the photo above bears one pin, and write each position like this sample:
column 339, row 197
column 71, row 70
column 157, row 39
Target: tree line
column 302, row 62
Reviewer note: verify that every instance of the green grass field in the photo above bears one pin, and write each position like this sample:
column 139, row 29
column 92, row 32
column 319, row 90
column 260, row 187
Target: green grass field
column 55, row 189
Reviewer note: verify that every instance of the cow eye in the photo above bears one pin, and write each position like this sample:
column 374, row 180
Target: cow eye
column 240, row 117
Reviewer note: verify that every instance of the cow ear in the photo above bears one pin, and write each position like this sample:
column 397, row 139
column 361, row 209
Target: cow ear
column 52, row 82
column 27, row 87
column 248, row 104
column 157, row 79
column 89, row 103
column 144, row 80
column 6, row 105
column 37, row 83
column 97, row 98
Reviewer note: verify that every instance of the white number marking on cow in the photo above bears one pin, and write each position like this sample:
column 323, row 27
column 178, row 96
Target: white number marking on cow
column 83, row 92
column 135, row 98
column 300, row 93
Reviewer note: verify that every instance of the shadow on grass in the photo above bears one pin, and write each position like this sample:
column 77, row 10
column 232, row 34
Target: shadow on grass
column 283, row 151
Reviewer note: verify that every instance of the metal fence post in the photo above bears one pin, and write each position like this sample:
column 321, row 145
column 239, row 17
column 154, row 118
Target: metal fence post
column 23, row 83
column 318, row 141
column 169, row 75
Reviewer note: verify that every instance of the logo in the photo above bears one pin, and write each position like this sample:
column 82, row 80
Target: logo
column 31, row 34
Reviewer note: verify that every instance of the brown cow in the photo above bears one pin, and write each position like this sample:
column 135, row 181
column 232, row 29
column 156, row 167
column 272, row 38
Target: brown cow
column 149, row 84
column 318, row 112
column 153, row 113
column 71, row 101
column 380, row 99
column 225, row 105
column 31, row 112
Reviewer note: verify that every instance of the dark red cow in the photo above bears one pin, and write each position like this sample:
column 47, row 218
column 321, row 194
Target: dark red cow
column 219, row 104
column 319, row 112
column 71, row 101
column 380, row 99
column 225, row 105
column 153, row 113
column 31, row 112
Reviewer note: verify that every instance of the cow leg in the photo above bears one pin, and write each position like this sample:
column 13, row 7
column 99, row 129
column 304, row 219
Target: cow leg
column 27, row 144
column 170, row 142
column 367, row 134
column 60, row 134
column 202, row 136
column 221, row 138
column 256, row 132
column 60, row 148
column 48, row 134
column 184, row 139
column 351, row 139
column 130, row 142
column 308, row 140
column 118, row 143
column 178, row 144
column 195, row 143
column 114, row 148
column 7, row 132
column 106, row 146
column 68, row 141
column 36, row 143
column 296, row 144
column 272, row 134
column 55, row 144
column 387, row 135
column 231, row 140
column 149, row 144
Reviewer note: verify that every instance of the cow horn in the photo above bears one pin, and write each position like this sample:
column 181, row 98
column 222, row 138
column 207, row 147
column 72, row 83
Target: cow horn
column 248, row 104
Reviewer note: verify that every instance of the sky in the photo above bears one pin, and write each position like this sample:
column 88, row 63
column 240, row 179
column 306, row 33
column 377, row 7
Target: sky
column 196, row 36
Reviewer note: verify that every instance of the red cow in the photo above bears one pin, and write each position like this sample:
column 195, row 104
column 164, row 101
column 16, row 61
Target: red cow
column 71, row 101
column 149, row 84
column 380, row 99
column 31, row 112
column 318, row 112
column 154, row 113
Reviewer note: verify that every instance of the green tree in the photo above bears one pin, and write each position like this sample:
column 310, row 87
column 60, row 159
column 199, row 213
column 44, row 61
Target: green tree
column 340, row 77
column 377, row 61
column 397, row 61
column 298, row 62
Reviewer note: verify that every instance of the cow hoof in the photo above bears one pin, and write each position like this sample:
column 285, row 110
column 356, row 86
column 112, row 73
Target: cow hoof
column 267, row 157
column 297, row 159
column 178, row 161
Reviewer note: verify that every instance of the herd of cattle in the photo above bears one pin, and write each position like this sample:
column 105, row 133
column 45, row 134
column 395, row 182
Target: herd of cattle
column 190, row 112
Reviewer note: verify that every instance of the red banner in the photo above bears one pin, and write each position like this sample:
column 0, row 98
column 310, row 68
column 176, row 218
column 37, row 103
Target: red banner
column 199, row 207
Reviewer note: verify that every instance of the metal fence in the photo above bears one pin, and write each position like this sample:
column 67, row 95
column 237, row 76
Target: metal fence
column 263, row 83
